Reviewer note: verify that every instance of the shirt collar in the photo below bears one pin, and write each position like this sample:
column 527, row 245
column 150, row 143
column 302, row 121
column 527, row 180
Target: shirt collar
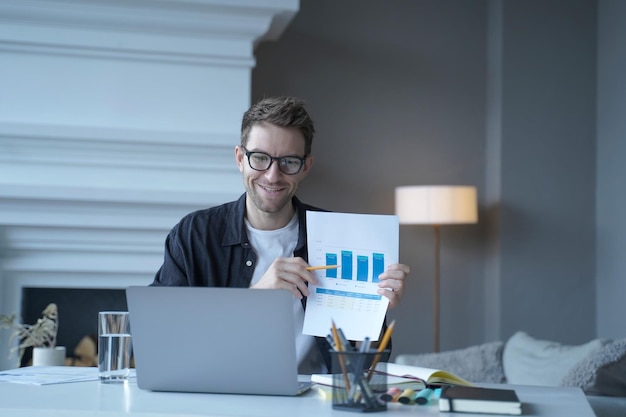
column 235, row 233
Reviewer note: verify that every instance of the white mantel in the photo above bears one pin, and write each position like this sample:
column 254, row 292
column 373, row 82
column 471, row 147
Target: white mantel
column 117, row 117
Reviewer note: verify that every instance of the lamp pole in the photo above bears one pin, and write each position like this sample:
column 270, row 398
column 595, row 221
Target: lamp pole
column 436, row 290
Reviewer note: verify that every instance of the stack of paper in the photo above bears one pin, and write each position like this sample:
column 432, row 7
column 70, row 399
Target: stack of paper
column 46, row 375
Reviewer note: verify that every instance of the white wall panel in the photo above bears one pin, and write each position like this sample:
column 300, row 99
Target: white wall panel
column 79, row 91
column 117, row 117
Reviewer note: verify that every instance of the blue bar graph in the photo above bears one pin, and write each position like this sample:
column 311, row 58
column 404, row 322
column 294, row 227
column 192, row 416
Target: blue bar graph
column 346, row 264
column 361, row 268
column 378, row 265
column 362, row 265
column 331, row 259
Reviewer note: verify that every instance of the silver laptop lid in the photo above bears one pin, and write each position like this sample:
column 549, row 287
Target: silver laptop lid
column 218, row 340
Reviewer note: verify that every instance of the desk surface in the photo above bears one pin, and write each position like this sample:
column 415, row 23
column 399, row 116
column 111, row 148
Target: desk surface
column 93, row 399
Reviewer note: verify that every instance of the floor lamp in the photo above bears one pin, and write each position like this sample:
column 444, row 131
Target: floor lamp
column 436, row 206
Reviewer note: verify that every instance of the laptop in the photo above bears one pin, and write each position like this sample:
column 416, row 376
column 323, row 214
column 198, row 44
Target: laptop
column 214, row 340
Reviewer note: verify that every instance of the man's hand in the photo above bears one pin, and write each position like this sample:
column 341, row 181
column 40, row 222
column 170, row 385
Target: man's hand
column 287, row 274
column 391, row 283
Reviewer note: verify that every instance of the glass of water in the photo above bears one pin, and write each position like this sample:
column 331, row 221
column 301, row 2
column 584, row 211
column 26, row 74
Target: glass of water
column 114, row 346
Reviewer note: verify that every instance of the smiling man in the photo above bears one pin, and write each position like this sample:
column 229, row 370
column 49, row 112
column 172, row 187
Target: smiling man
column 259, row 241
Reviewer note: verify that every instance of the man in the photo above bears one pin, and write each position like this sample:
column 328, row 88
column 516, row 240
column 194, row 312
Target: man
column 259, row 241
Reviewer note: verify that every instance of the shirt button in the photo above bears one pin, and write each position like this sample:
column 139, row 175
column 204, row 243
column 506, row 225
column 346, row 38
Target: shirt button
column 248, row 263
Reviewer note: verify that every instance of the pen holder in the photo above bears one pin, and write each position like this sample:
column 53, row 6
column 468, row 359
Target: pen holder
column 354, row 387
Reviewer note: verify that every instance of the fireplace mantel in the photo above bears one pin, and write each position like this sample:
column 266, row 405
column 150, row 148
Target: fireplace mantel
column 117, row 118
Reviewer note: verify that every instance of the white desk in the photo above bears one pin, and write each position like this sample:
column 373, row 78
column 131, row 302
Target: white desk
column 93, row 399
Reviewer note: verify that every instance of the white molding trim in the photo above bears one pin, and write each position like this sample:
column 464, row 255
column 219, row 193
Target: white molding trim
column 115, row 147
column 204, row 32
column 121, row 166
column 87, row 239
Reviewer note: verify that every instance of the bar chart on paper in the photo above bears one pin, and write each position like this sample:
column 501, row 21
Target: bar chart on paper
column 363, row 267
column 358, row 248
column 342, row 289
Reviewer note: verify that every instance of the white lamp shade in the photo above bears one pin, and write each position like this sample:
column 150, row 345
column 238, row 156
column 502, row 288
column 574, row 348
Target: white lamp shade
column 436, row 204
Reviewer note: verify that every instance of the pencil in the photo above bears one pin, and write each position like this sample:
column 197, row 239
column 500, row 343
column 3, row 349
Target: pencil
column 339, row 349
column 316, row 268
column 381, row 346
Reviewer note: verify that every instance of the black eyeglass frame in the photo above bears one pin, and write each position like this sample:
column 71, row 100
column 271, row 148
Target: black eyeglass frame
column 275, row 158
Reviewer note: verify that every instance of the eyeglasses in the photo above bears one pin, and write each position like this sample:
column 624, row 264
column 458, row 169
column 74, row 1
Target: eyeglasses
column 261, row 161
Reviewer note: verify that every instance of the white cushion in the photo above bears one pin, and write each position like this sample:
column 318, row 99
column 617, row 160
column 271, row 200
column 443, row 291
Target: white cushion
column 529, row 361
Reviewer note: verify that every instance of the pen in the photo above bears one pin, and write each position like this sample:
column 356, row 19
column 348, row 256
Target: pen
column 347, row 347
column 331, row 341
column 317, row 268
column 357, row 369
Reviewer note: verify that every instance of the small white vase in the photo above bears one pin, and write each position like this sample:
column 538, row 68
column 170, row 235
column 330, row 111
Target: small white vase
column 47, row 356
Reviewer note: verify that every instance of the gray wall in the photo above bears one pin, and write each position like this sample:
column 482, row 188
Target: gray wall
column 500, row 95
column 611, row 170
column 397, row 90
column 548, row 169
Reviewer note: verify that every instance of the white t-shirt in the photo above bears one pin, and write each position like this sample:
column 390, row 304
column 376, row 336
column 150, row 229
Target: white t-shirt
column 272, row 244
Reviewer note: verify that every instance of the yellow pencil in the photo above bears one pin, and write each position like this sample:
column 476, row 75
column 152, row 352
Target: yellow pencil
column 339, row 349
column 381, row 346
column 316, row 268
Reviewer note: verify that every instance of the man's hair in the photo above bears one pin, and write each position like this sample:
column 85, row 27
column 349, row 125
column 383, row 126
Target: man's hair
column 286, row 112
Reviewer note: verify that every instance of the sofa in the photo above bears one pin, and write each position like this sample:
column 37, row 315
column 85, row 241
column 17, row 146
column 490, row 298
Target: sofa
column 598, row 367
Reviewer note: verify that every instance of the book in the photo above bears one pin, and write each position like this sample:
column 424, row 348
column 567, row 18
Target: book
column 457, row 398
column 407, row 376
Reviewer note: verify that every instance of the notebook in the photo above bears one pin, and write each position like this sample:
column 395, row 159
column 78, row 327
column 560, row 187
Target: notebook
column 214, row 340
column 479, row 400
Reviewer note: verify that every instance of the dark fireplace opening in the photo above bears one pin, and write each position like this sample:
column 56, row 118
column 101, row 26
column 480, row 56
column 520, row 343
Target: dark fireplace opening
column 78, row 312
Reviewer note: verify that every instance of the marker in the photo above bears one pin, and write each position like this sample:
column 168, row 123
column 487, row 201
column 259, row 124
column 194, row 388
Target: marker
column 317, row 268
column 391, row 394
column 423, row 396
column 406, row 396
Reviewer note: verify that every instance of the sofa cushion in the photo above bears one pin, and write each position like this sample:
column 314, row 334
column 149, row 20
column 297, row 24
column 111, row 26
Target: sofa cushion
column 601, row 373
column 480, row 363
column 530, row 361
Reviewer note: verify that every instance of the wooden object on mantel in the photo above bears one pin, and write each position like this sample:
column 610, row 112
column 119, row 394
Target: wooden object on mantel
column 86, row 353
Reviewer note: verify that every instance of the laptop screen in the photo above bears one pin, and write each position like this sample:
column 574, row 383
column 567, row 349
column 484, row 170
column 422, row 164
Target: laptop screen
column 220, row 340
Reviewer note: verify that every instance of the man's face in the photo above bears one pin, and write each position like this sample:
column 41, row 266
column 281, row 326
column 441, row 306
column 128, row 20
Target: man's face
column 271, row 191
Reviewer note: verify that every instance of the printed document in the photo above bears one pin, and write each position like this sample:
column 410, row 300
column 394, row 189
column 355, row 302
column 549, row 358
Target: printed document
column 46, row 375
column 355, row 249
